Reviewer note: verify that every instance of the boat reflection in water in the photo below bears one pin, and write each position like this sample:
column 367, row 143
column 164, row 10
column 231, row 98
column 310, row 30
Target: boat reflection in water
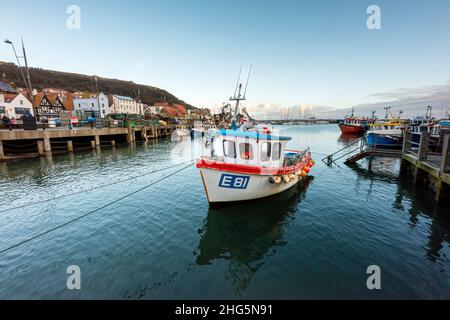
column 347, row 139
column 245, row 234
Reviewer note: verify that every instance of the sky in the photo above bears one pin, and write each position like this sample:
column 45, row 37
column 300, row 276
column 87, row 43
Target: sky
column 315, row 54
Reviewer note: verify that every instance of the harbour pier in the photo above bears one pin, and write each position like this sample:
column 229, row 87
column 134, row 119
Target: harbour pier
column 19, row 144
column 427, row 159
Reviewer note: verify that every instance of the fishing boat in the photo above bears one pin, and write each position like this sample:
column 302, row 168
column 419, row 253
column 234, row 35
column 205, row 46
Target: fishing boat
column 353, row 125
column 179, row 134
column 427, row 123
column 199, row 129
column 247, row 161
column 387, row 133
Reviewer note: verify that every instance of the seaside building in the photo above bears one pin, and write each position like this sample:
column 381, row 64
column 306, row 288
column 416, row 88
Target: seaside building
column 122, row 104
column 51, row 105
column 141, row 107
column 14, row 105
column 84, row 104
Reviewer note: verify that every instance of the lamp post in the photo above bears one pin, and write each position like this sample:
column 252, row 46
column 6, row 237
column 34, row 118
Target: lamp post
column 27, row 79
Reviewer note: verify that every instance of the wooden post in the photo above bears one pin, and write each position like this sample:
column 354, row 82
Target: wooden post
column 423, row 146
column 113, row 143
column 69, row 145
column 97, row 140
column 130, row 135
column 144, row 133
column 407, row 141
column 93, row 144
column 2, row 155
column 40, row 144
column 445, row 161
column 47, row 144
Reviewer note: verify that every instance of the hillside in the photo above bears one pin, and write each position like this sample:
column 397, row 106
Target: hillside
column 72, row 82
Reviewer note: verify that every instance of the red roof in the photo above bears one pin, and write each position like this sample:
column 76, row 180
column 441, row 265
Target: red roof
column 181, row 110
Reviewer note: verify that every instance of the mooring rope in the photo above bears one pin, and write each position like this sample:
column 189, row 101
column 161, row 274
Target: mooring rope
column 93, row 211
column 93, row 188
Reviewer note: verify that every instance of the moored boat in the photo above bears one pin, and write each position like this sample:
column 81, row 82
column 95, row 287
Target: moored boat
column 246, row 161
column 386, row 134
column 353, row 125
column 244, row 165
column 179, row 134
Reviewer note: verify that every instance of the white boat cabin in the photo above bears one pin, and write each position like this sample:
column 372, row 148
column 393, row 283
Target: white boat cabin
column 251, row 148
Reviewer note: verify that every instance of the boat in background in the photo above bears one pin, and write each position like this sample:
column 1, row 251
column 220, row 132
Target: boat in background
column 198, row 131
column 387, row 133
column 353, row 125
column 245, row 161
column 422, row 124
column 179, row 134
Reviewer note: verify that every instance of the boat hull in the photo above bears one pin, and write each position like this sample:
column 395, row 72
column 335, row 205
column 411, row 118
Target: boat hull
column 224, row 187
column 197, row 133
column 385, row 141
column 352, row 129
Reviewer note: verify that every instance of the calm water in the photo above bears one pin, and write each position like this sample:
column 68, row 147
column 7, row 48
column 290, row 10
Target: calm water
column 165, row 242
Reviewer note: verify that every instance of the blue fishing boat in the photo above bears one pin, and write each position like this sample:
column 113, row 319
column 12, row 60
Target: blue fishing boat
column 387, row 133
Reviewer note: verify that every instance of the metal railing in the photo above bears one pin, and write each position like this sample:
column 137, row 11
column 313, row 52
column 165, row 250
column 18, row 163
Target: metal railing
column 359, row 145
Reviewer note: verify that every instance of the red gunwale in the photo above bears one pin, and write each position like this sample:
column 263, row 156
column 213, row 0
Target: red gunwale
column 246, row 169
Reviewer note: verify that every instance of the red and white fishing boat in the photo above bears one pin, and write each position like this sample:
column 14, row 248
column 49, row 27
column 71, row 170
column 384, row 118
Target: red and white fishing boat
column 248, row 162
column 353, row 125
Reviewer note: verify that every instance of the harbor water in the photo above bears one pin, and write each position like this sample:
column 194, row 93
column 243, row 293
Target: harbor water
column 165, row 242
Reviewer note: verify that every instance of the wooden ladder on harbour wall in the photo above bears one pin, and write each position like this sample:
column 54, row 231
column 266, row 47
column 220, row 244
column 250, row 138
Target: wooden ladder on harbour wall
column 358, row 150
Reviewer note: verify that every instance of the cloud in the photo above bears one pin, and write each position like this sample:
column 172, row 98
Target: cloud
column 412, row 101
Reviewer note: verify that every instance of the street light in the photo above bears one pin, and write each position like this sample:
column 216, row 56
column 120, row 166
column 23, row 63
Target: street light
column 26, row 80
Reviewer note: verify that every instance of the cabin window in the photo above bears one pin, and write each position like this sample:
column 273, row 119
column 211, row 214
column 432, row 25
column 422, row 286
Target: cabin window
column 229, row 149
column 265, row 151
column 276, row 153
column 246, row 151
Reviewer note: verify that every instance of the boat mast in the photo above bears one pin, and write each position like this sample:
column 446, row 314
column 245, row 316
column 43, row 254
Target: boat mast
column 387, row 112
column 238, row 96
column 429, row 112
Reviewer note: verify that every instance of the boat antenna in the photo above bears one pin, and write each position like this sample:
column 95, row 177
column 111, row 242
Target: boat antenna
column 248, row 78
column 237, row 83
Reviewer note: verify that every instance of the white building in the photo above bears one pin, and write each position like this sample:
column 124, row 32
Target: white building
column 141, row 107
column 122, row 104
column 14, row 105
column 97, row 103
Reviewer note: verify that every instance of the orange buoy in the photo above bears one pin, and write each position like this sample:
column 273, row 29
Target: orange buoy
column 304, row 174
column 307, row 169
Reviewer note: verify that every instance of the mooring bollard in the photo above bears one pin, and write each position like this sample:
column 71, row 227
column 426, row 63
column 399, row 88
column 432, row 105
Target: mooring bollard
column 2, row 155
column 69, row 145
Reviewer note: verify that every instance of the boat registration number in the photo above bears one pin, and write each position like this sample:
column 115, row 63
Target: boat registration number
column 233, row 182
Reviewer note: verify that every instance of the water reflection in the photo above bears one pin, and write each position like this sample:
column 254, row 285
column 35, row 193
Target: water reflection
column 347, row 139
column 422, row 204
column 418, row 202
column 245, row 234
